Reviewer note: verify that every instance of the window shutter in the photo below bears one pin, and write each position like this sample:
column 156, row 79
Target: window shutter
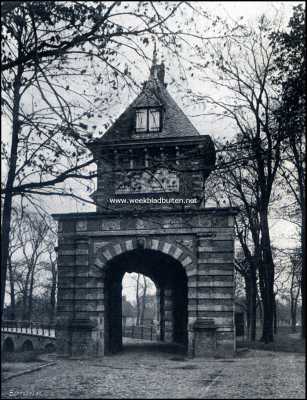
column 141, row 120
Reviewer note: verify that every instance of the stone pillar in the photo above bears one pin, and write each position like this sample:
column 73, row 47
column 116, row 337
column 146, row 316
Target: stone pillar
column 115, row 317
column 81, row 337
column 165, row 307
column 168, row 315
column 204, row 337
column 65, row 295
column 80, row 325
column 214, row 288
column 84, row 319
column 159, row 333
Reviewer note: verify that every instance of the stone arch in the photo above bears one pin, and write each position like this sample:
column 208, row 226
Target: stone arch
column 178, row 252
column 27, row 345
column 50, row 348
column 172, row 298
column 8, row 345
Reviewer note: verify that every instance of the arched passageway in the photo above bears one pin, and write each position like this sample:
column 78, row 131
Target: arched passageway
column 170, row 279
column 50, row 348
column 139, row 305
column 8, row 346
column 27, row 345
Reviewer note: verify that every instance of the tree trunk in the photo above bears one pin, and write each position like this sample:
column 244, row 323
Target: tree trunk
column 267, row 309
column 299, row 158
column 251, row 296
column 12, row 291
column 25, row 297
column 8, row 197
column 248, row 304
column 294, row 295
column 259, row 304
column 303, row 311
column 253, row 305
column 275, row 316
column 24, row 311
column 53, row 295
column 30, row 298
column 143, row 306
column 138, row 300
column 267, row 277
column 293, row 315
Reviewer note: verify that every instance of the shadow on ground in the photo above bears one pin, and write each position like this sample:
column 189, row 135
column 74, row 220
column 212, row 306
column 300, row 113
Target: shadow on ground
column 153, row 347
column 284, row 341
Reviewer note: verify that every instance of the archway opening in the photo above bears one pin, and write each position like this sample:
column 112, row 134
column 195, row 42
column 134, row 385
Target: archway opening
column 27, row 345
column 170, row 281
column 50, row 348
column 8, row 346
column 139, row 307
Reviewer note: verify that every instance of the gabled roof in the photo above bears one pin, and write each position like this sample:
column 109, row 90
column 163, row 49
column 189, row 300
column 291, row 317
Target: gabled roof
column 154, row 94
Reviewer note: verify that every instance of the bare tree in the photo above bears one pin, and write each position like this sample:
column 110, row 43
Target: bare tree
column 25, row 264
column 144, row 294
column 33, row 250
column 243, row 70
column 14, row 248
column 49, row 265
column 290, row 61
column 294, row 278
column 141, row 286
column 41, row 42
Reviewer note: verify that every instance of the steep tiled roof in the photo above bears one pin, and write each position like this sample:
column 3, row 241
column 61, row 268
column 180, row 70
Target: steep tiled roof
column 154, row 93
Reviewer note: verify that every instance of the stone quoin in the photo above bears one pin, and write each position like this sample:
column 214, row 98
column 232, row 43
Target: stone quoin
column 151, row 152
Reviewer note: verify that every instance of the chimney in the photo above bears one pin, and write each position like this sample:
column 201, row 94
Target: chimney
column 161, row 72
column 157, row 71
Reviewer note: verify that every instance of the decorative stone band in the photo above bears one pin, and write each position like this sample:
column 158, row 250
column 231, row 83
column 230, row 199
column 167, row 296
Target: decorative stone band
column 81, row 324
column 210, row 307
column 106, row 253
column 72, row 252
column 204, row 323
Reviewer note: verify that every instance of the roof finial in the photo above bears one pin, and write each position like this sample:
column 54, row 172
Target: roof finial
column 156, row 71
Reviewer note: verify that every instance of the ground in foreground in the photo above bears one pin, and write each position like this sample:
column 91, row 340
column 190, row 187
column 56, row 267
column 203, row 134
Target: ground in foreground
column 147, row 372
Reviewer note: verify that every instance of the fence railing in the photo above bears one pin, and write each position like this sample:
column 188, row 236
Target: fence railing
column 28, row 327
column 147, row 332
column 140, row 332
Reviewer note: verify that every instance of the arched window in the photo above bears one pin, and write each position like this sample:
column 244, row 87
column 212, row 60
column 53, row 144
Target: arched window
column 27, row 345
column 8, row 345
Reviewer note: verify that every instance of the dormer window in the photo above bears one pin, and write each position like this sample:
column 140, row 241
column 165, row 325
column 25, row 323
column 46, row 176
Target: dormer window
column 148, row 120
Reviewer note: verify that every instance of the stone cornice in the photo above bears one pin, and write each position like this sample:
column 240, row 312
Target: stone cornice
column 146, row 212
column 96, row 145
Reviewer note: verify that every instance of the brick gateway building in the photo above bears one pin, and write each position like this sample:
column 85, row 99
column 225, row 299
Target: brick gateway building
column 152, row 167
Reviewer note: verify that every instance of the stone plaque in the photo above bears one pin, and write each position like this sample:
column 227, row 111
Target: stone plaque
column 172, row 222
column 161, row 181
column 110, row 225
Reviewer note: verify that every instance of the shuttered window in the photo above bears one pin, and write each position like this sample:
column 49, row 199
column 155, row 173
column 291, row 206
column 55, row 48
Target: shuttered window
column 148, row 120
column 154, row 120
column 141, row 120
